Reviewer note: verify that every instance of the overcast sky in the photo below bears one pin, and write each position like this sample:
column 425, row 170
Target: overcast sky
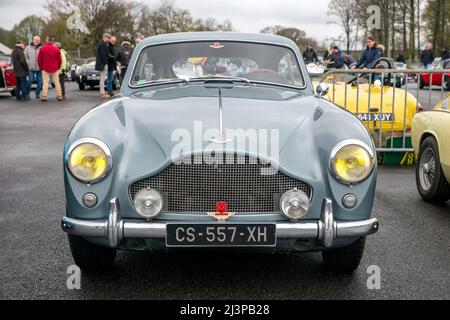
column 246, row 15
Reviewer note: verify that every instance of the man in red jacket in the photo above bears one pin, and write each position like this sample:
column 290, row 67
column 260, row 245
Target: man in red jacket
column 49, row 60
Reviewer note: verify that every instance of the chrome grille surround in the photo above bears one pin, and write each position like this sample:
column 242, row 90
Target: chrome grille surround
column 194, row 186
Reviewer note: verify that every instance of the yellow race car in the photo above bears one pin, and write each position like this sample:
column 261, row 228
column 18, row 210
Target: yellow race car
column 431, row 142
column 375, row 100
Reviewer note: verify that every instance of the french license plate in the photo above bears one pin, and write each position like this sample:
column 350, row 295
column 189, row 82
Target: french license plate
column 375, row 116
column 221, row 235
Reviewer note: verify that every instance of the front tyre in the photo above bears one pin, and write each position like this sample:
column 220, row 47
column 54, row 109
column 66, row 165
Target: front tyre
column 430, row 179
column 346, row 259
column 90, row 257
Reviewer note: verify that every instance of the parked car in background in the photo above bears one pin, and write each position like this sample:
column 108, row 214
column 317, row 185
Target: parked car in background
column 129, row 185
column 431, row 142
column 315, row 70
column 436, row 79
column 88, row 76
column 7, row 78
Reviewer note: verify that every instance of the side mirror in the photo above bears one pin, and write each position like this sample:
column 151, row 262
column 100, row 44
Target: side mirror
column 322, row 89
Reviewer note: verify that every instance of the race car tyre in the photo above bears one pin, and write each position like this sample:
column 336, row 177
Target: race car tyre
column 90, row 257
column 346, row 259
column 430, row 179
column 81, row 86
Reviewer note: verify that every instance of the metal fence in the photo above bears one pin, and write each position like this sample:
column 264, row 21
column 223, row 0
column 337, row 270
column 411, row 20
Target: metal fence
column 386, row 100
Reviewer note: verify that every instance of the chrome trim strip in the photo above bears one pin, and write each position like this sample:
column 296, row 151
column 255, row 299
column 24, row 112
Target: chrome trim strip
column 84, row 228
column 327, row 226
column 221, row 139
column 115, row 229
column 349, row 229
column 115, row 226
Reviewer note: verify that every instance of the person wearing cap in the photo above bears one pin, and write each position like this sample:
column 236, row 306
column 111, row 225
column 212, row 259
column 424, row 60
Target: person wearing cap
column 21, row 71
column 50, row 60
column 101, row 62
column 31, row 54
column 62, row 70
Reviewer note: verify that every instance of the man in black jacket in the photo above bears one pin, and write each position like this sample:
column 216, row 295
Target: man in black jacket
column 445, row 53
column 310, row 55
column 427, row 56
column 124, row 57
column 21, row 71
column 101, row 62
column 112, row 64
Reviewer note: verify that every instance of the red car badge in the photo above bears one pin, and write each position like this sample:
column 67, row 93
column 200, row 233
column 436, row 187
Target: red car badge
column 221, row 213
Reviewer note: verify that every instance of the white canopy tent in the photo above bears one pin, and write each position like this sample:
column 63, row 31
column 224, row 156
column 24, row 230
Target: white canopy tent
column 4, row 49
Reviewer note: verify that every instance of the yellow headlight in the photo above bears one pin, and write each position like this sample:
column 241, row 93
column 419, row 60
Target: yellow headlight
column 88, row 162
column 352, row 163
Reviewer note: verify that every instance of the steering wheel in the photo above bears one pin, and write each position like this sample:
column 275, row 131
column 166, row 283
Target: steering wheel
column 265, row 75
column 381, row 62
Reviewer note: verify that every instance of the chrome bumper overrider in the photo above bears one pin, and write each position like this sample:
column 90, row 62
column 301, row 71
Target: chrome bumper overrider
column 115, row 229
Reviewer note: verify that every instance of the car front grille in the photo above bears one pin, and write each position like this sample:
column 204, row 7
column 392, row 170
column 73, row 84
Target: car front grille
column 194, row 186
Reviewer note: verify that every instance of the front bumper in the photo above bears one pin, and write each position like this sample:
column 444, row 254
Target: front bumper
column 114, row 229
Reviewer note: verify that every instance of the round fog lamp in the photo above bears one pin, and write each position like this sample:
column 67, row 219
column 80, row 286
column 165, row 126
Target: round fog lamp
column 350, row 201
column 294, row 204
column 148, row 203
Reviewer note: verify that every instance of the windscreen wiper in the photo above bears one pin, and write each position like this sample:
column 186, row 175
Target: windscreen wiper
column 248, row 82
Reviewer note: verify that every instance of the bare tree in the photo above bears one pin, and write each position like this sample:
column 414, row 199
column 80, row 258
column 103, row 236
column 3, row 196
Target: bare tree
column 29, row 27
column 345, row 11
column 296, row 35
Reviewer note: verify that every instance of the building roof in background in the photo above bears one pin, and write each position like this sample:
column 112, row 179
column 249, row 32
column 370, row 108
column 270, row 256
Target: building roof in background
column 4, row 49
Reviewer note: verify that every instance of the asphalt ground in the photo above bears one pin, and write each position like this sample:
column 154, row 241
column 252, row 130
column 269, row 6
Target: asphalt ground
column 412, row 248
column 428, row 97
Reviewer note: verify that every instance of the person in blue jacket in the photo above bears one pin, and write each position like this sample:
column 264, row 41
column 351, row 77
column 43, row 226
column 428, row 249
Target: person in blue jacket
column 370, row 55
column 336, row 59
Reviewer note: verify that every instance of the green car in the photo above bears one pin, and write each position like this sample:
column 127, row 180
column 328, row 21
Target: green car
column 217, row 141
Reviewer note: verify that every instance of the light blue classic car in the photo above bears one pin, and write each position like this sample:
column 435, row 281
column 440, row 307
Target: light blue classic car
column 218, row 141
